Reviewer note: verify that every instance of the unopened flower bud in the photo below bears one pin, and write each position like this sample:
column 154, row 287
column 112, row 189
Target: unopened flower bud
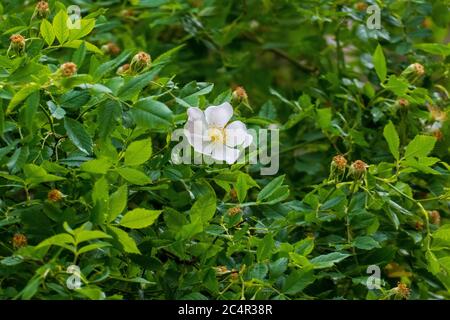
column 435, row 217
column 19, row 240
column 220, row 270
column 415, row 69
column 402, row 290
column 339, row 162
column 68, row 69
column 111, row 48
column 55, row 195
column 17, row 44
column 42, row 9
column 239, row 94
column 140, row 62
column 123, row 69
column 358, row 169
column 234, row 211
column 361, row 6
column 419, row 225
column 402, row 102
column 233, row 194
column 427, row 23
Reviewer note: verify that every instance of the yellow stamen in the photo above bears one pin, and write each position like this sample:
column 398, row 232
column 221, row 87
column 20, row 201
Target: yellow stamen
column 216, row 135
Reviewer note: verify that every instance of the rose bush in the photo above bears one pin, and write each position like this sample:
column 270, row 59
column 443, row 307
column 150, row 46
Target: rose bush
column 92, row 205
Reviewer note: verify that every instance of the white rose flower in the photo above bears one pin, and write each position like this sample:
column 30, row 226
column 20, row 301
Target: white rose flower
column 209, row 133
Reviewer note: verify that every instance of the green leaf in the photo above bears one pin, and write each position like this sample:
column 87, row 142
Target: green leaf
column 138, row 152
column 328, row 260
column 99, row 166
column 434, row 48
column 136, row 84
column 134, row 176
column 111, row 65
column 324, row 116
column 60, row 26
column 297, row 281
column 241, row 187
column 443, row 233
column 21, row 95
column 420, row 146
column 128, row 244
column 94, row 246
column 36, row 175
column 264, row 250
column 29, row 109
column 391, row 136
column 86, row 235
column 379, row 63
column 139, row 218
column 108, row 114
column 204, row 208
column 86, row 26
column 47, row 32
column 61, row 240
column 117, row 202
column 270, row 188
column 75, row 44
column 366, row 243
column 152, row 114
column 78, row 135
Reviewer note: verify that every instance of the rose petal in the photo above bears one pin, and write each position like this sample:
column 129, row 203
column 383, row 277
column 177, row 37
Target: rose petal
column 196, row 128
column 235, row 133
column 218, row 116
column 248, row 140
column 222, row 152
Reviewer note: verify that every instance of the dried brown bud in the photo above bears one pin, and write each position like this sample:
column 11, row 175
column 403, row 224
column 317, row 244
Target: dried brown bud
column 17, row 39
column 419, row 225
column 233, row 194
column 403, row 102
column 140, row 62
column 17, row 44
column 221, row 270
column 358, row 169
column 361, row 6
column 55, row 195
column 111, row 48
column 68, row 69
column 339, row 162
column 42, row 9
column 123, row 69
column 402, row 290
column 19, row 240
column 438, row 134
column 234, row 211
column 435, row 217
column 427, row 23
column 239, row 94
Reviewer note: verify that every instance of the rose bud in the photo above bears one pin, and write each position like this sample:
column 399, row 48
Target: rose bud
column 17, row 44
column 68, row 69
column 55, row 195
column 358, row 169
column 140, row 62
column 42, row 9
column 19, row 240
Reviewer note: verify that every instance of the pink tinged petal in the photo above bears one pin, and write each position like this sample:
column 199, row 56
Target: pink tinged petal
column 235, row 133
column 218, row 116
column 223, row 153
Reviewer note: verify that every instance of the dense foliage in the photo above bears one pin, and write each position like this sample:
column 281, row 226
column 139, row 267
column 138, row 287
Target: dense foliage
column 87, row 109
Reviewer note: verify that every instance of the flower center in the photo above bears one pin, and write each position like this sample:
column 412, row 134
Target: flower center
column 216, row 135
